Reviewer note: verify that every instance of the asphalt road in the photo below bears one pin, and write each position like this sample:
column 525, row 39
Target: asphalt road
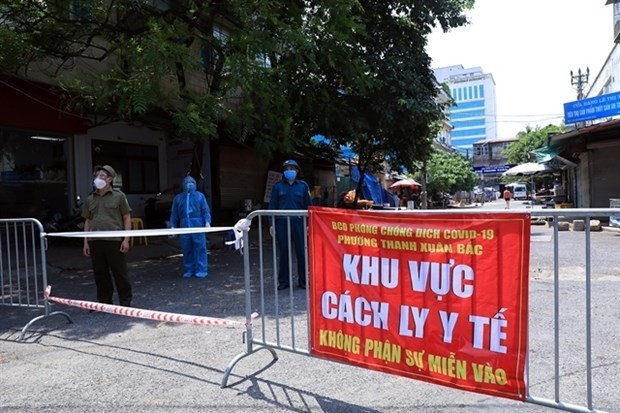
column 105, row 363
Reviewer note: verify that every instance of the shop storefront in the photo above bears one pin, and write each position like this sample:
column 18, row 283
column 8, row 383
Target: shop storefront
column 34, row 174
column 36, row 137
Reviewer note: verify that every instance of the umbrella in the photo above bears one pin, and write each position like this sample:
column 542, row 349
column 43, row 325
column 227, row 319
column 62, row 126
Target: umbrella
column 405, row 183
column 530, row 168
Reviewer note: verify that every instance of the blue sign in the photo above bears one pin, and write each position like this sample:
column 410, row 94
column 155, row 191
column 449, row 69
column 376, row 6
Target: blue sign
column 496, row 169
column 602, row 106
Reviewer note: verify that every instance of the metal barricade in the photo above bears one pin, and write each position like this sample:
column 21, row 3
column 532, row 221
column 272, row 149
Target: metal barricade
column 23, row 268
column 283, row 321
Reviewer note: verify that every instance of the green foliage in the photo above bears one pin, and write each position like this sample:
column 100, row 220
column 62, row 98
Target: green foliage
column 354, row 70
column 449, row 173
column 528, row 140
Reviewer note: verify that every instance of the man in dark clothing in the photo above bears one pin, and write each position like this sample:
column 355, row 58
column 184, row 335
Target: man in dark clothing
column 290, row 193
column 107, row 209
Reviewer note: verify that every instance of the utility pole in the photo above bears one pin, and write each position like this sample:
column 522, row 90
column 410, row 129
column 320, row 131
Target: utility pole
column 580, row 80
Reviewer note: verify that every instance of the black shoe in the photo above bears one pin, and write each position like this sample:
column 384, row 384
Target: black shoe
column 302, row 285
column 283, row 286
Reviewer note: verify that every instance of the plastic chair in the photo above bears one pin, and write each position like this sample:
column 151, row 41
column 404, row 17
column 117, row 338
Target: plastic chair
column 137, row 223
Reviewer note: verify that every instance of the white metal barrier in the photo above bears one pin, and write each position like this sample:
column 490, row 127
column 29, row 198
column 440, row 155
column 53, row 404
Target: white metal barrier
column 23, row 268
column 283, row 322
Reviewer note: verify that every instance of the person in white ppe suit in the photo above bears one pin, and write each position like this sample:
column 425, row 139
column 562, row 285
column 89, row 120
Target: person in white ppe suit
column 190, row 210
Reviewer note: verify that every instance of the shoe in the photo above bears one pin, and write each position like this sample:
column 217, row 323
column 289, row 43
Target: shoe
column 201, row 274
column 283, row 286
column 188, row 275
column 302, row 285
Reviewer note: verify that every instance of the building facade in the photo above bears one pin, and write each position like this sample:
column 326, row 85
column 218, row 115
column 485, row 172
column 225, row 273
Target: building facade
column 489, row 161
column 473, row 118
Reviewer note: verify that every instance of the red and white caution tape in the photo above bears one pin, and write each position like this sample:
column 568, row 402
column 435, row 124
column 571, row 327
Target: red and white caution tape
column 146, row 314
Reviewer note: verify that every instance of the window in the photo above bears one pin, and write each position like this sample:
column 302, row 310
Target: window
column 476, row 104
column 81, row 10
column 33, row 174
column 467, row 114
column 459, row 124
column 137, row 166
column 468, row 132
column 481, row 150
column 209, row 54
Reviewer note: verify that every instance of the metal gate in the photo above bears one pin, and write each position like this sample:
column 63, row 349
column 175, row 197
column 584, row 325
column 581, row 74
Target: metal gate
column 283, row 321
column 23, row 267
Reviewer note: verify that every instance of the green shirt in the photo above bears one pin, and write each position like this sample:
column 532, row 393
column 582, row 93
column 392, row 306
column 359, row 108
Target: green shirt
column 106, row 211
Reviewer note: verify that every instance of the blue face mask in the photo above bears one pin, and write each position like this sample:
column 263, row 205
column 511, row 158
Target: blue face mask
column 191, row 187
column 290, row 174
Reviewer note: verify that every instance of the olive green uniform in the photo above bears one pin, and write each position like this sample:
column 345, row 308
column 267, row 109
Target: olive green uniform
column 106, row 214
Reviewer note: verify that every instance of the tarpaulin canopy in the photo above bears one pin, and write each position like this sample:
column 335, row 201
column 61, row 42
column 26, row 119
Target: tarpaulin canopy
column 548, row 152
column 372, row 189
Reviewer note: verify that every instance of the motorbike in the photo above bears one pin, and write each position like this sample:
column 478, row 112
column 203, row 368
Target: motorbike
column 55, row 222
column 157, row 209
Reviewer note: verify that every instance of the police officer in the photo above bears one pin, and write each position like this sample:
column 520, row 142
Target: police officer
column 107, row 209
column 290, row 193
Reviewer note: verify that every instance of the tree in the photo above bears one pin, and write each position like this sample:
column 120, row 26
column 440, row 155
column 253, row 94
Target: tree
column 353, row 70
column 449, row 173
column 528, row 140
column 382, row 99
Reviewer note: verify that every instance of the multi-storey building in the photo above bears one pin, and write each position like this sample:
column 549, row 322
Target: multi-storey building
column 473, row 118
column 489, row 161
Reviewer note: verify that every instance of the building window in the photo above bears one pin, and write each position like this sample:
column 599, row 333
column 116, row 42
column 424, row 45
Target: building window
column 476, row 104
column 470, row 123
column 209, row 54
column 137, row 166
column 467, row 114
column 481, row 150
column 468, row 132
column 33, row 174
column 481, row 90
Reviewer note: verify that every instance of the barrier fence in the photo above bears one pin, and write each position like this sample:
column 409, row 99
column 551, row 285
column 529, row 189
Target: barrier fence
column 295, row 320
column 23, row 268
column 298, row 320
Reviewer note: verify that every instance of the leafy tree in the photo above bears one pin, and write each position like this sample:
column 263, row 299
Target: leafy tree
column 449, row 173
column 381, row 101
column 353, row 70
column 528, row 140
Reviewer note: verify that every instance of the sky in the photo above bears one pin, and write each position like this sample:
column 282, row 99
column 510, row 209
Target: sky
column 530, row 47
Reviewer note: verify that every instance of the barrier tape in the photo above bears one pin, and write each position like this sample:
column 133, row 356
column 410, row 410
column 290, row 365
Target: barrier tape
column 138, row 232
column 146, row 314
column 238, row 229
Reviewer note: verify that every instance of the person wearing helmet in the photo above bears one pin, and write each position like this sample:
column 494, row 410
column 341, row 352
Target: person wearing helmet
column 290, row 193
column 107, row 209
column 190, row 210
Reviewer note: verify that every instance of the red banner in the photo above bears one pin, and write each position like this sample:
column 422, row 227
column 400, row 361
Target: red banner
column 436, row 297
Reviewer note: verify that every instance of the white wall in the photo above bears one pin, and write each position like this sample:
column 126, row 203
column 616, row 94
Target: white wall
column 117, row 132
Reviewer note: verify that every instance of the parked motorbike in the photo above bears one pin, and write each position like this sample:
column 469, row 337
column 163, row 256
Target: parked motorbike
column 157, row 209
column 55, row 222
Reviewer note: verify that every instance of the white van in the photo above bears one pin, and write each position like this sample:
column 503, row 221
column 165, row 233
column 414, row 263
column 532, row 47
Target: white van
column 519, row 191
